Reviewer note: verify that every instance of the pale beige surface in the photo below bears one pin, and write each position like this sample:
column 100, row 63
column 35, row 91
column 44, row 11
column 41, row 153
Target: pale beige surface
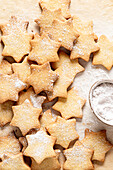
column 101, row 12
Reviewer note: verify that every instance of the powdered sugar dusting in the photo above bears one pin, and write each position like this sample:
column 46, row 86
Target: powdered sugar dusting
column 102, row 101
column 37, row 100
column 19, row 84
column 42, row 143
column 78, row 49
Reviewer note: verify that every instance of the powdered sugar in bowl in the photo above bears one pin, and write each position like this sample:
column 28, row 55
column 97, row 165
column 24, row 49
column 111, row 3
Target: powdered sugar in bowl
column 101, row 100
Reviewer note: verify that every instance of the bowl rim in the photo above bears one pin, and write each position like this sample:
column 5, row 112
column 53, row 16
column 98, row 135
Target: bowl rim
column 97, row 83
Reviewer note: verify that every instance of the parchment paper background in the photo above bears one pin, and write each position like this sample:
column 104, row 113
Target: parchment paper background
column 101, row 12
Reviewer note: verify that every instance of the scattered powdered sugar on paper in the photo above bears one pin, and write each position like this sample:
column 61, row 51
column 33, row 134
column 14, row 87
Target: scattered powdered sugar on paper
column 91, row 73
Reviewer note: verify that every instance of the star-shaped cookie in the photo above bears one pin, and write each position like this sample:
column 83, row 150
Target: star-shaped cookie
column 60, row 86
column 104, row 55
column 64, row 131
column 64, row 33
column 5, row 67
column 40, row 146
column 97, row 141
column 83, row 27
column 23, row 70
column 35, row 99
column 46, row 118
column 78, row 157
column 6, row 112
column 28, row 119
column 67, row 70
column 56, row 4
column 43, row 49
column 14, row 25
column 84, row 46
column 42, row 78
column 47, row 17
column 16, row 45
column 75, row 109
column 9, row 146
column 51, row 163
column 10, row 86
column 15, row 163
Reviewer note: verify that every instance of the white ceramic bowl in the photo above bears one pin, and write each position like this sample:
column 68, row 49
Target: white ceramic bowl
column 90, row 99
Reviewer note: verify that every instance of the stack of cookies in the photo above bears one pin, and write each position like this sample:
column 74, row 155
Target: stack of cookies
column 38, row 105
